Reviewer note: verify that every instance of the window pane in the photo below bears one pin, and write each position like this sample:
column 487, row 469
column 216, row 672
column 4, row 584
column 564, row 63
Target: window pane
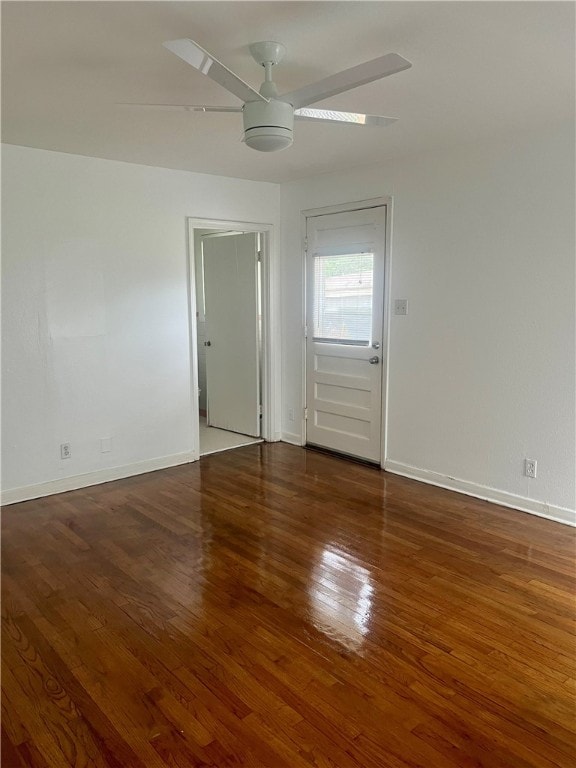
column 343, row 297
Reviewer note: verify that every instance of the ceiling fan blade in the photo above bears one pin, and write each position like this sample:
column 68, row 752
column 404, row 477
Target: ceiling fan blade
column 204, row 62
column 346, row 80
column 348, row 118
column 183, row 107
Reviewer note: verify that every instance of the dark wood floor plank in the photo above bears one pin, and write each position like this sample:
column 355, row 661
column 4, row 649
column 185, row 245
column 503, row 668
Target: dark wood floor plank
column 270, row 607
column 10, row 756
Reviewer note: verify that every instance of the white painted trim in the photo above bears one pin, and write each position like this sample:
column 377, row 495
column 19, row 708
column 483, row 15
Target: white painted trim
column 271, row 382
column 386, row 325
column 358, row 205
column 192, row 337
column 292, row 438
column 271, row 338
column 485, row 492
column 27, row 492
column 303, row 351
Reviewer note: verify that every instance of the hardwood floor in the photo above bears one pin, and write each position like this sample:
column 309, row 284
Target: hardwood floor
column 279, row 608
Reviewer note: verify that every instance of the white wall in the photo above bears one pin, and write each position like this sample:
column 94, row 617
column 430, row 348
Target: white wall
column 95, row 314
column 95, row 311
column 481, row 370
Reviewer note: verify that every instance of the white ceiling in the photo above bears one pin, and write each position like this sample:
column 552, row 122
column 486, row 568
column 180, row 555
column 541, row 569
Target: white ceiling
column 479, row 68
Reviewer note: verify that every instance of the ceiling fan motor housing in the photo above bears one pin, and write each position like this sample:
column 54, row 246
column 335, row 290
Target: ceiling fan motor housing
column 268, row 126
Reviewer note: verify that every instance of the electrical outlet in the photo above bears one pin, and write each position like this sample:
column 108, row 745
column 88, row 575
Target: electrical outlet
column 65, row 451
column 400, row 306
column 530, row 466
column 105, row 445
column 290, row 414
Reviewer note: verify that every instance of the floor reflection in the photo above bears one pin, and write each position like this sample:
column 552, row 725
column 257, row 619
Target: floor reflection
column 341, row 597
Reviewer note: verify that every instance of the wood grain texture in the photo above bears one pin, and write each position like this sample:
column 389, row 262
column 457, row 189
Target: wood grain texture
column 276, row 608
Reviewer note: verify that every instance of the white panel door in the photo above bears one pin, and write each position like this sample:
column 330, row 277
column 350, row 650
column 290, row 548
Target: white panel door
column 231, row 299
column 344, row 345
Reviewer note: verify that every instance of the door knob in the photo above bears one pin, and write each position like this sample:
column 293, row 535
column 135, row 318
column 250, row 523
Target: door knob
column 374, row 360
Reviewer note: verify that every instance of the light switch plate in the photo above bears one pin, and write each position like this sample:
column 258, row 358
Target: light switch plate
column 400, row 306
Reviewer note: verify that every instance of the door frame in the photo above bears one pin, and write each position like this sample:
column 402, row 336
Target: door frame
column 386, row 202
column 270, row 352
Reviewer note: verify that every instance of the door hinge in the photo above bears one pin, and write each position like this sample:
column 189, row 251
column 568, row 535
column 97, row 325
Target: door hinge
column 305, row 331
column 305, row 414
column 305, row 245
column 259, row 254
column 260, row 410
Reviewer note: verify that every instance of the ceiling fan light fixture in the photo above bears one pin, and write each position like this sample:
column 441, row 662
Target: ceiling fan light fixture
column 269, row 138
column 268, row 126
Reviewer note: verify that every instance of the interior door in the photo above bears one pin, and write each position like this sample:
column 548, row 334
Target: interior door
column 344, row 344
column 231, row 302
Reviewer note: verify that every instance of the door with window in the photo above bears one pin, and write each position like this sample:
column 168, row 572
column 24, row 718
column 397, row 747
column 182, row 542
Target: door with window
column 344, row 340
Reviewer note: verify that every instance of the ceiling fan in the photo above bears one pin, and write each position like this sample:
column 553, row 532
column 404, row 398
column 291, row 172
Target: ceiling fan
column 268, row 117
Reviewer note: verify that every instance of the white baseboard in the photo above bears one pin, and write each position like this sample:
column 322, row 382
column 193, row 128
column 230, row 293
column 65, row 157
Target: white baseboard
column 542, row 509
column 292, row 438
column 505, row 499
column 27, row 492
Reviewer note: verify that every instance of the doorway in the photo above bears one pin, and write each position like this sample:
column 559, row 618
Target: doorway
column 346, row 337
column 228, row 322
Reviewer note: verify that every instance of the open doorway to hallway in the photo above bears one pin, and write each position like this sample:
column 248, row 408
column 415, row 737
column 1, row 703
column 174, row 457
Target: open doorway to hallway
column 228, row 288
